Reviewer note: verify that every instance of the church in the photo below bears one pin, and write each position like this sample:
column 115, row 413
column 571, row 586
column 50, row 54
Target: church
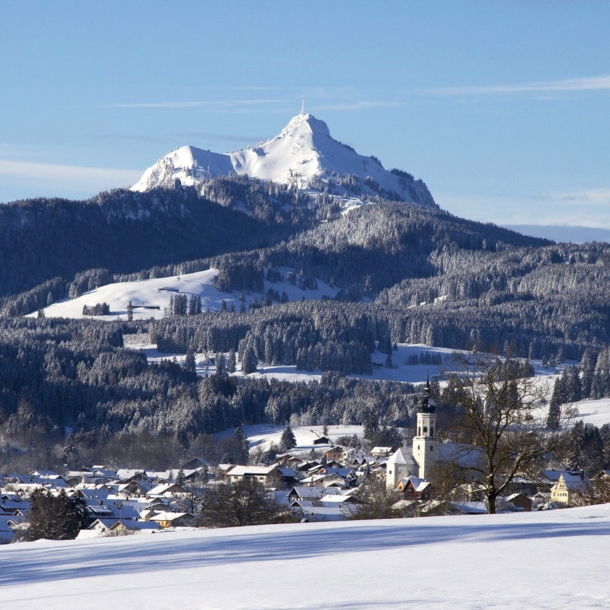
column 416, row 460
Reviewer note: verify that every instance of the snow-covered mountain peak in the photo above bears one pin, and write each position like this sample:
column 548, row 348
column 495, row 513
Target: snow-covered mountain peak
column 305, row 123
column 303, row 155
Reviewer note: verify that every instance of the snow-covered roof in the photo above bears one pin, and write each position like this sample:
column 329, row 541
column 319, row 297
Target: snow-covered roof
column 165, row 488
column 403, row 455
column 240, row 471
column 167, row 516
column 313, row 492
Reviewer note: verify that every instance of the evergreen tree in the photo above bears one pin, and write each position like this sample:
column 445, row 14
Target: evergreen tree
column 249, row 361
column 54, row 517
column 221, row 368
column 241, row 442
column 288, row 440
column 245, row 503
column 190, row 365
column 231, row 362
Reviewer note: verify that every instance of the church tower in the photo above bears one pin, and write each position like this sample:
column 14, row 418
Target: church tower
column 425, row 444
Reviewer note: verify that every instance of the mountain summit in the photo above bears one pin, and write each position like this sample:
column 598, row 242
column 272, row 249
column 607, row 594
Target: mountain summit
column 303, row 155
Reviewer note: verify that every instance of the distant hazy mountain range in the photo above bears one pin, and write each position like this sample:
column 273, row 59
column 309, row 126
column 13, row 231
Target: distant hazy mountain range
column 564, row 234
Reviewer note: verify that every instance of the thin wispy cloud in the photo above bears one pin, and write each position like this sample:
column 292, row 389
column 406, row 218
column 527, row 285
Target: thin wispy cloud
column 586, row 208
column 361, row 105
column 199, row 104
column 590, row 197
column 68, row 175
column 220, row 137
column 173, row 137
column 592, row 83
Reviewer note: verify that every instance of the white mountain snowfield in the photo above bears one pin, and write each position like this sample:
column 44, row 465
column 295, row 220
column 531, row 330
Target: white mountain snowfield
column 547, row 560
column 302, row 155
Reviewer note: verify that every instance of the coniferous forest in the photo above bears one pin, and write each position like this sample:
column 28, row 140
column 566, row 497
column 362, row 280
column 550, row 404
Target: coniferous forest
column 405, row 273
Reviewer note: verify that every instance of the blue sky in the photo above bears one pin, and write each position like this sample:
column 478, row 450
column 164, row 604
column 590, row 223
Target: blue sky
column 501, row 107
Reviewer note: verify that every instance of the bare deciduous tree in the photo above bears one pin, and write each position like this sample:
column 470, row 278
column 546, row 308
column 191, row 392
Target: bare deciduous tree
column 500, row 421
column 244, row 503
column 374, row 501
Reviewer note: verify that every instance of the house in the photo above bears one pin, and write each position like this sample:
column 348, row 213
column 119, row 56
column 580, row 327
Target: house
column 414, row 488
column 468, row 508
column 334, row 453
column 7, row 523
column 520, row 501
column 167, row 519
column 166, row 489
column 124, row 527
column 569, row 486
column 602, row 475
column 270, row 476
column 326, row 513
column 339, row 500
column 115, row 527
column 306, row 466
column 287, row 459
column 322, row 440
column 381, row 451
column 99, row 511
column 325, row 480
column 99, row 527
column 222, row 470
column 311, row 493
column 523, row 485
column 354, row 457
column 196, row 464
column 548, row 479
column 127, row 474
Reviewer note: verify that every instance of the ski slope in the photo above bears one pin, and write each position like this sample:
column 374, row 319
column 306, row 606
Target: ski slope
column 545, row 560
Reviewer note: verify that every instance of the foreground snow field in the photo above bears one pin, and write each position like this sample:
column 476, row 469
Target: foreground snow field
column 555, row 559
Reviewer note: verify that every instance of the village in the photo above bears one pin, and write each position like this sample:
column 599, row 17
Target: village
column 320, row 481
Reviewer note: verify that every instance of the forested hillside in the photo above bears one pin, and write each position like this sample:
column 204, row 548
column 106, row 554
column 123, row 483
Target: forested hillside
column 125, row 232
column 404, row 273
column 59, row 373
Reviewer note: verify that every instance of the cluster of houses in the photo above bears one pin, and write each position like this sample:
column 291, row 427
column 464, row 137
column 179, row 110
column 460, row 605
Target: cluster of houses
column 318, row 482
column 118, row 501
column 408, row 467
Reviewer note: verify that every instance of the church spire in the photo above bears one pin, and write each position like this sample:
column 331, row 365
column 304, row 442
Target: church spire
column 427, row 405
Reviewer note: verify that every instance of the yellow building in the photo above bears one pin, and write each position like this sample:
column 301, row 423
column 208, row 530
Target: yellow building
column 569, row 486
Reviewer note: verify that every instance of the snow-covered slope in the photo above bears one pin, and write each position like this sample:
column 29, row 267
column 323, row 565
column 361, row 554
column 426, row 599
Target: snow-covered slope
column 151, row 298
column 304, row 155
column 553, row 559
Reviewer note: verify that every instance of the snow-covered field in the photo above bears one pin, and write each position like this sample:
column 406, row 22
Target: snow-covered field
column 151, row 298
column 263, row 435
column 595, row 412
column 400, row 371
column 555, row 559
